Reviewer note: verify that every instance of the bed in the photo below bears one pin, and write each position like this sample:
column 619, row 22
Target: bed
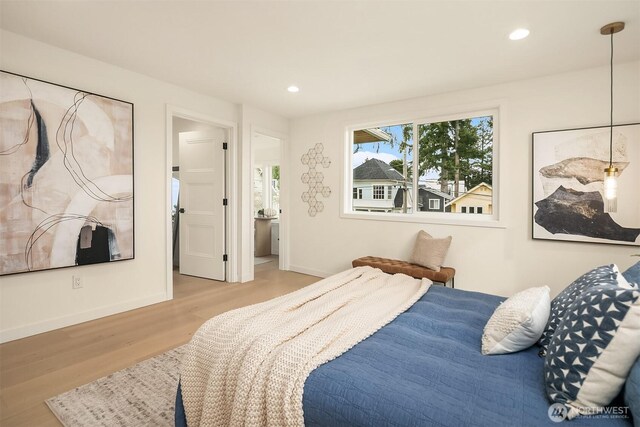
column 425, row 369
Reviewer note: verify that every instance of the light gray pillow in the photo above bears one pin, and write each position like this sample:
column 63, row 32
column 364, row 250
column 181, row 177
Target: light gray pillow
column 429, row 252
column 518, row 322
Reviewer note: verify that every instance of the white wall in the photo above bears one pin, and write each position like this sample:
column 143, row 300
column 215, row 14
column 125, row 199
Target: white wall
column 266, row 150
column 494, row 260
column 40, row 301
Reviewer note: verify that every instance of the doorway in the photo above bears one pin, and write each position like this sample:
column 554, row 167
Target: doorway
column 198, row 161
column 202, row 203
column 267, row 184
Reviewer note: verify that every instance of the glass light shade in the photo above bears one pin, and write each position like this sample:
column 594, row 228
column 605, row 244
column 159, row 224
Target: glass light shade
column 611, row 190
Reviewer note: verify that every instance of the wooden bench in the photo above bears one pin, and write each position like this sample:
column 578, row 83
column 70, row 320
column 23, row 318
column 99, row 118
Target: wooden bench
column 393, row 266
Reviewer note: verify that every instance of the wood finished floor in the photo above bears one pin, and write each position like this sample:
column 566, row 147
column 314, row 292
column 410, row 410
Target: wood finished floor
column 36, row 368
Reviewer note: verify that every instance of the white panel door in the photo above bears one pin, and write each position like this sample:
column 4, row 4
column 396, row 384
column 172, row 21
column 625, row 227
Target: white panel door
column 202, row 222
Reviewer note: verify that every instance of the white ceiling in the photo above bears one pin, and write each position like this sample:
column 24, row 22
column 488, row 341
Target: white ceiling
column 342, row 54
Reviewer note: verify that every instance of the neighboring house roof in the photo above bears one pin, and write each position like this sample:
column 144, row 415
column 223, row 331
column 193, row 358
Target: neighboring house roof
column 437, row 193
column 397, row 201
column 374, row 169
column 468, row 193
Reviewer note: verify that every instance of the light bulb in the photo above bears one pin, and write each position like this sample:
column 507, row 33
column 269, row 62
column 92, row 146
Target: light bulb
column 611, row 190
column 519, row 34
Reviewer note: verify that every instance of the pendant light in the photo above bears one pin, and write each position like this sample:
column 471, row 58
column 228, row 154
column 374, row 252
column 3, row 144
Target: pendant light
column 611, row 172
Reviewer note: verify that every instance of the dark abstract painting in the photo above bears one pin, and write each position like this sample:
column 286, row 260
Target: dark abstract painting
column 568, row 172
column 66, row 176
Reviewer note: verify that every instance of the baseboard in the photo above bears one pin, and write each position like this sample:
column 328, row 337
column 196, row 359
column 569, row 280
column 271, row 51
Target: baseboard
column 76, row 318
column 309, row 271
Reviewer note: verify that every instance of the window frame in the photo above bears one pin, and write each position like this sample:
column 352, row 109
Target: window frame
column 380, row 192
column 493, row 220
column 436, row 204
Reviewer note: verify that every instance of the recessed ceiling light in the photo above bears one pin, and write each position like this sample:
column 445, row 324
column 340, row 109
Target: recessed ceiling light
column 293, row 89
column 519, row 34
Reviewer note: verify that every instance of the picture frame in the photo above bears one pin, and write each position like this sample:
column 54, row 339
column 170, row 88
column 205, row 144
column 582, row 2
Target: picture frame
column 66, row 176
column 567, row 184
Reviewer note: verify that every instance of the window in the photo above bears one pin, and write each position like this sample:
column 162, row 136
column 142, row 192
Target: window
column 435, row 166
column 275, row 189
column 258, row 189
column 381, row 157
column 355, row 193
column 378, row 191
column 456, row 158
column 266, row 189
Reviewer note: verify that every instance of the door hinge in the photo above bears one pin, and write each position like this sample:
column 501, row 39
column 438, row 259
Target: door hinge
column 225, row 202
column 225, row 145
column 225, row 257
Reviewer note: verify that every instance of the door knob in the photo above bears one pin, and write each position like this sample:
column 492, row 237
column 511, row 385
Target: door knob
column 181, row 210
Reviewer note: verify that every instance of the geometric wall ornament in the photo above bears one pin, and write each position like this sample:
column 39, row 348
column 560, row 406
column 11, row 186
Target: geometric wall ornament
column 314, row 178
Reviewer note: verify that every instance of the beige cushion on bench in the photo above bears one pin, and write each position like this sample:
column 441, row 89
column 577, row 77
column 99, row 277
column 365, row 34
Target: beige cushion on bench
column 393, row 266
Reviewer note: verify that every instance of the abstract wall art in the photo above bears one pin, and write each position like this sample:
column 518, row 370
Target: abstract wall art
column 315, row 178
column 568, row 171
column 66, row 176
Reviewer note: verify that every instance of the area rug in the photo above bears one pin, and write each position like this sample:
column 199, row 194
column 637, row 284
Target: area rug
column 141, row 395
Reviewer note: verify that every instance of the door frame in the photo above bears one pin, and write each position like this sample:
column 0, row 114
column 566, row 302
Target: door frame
column 283, row 257
column 231, row 184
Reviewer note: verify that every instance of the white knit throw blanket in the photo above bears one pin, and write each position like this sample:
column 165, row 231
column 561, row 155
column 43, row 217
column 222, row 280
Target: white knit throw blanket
column 247, row 367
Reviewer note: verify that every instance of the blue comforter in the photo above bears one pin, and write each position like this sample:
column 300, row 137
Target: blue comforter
column 425, row 369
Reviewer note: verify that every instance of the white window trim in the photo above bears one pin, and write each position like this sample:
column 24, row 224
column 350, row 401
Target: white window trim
column 381, row 192
column 436, row 203
column 495, row 220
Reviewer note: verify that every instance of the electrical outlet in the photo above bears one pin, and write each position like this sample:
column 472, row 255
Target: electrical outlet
column 76, row 282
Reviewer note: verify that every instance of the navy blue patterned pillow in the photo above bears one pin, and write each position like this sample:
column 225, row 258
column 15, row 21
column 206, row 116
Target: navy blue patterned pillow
column 604, row 275
column 632, row 274
column 593, row 349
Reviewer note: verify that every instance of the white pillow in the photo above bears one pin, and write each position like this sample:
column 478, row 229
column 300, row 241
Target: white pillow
column 518, row 322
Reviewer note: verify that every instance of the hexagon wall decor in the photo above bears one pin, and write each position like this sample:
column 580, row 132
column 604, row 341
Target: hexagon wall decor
column 314, row 179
